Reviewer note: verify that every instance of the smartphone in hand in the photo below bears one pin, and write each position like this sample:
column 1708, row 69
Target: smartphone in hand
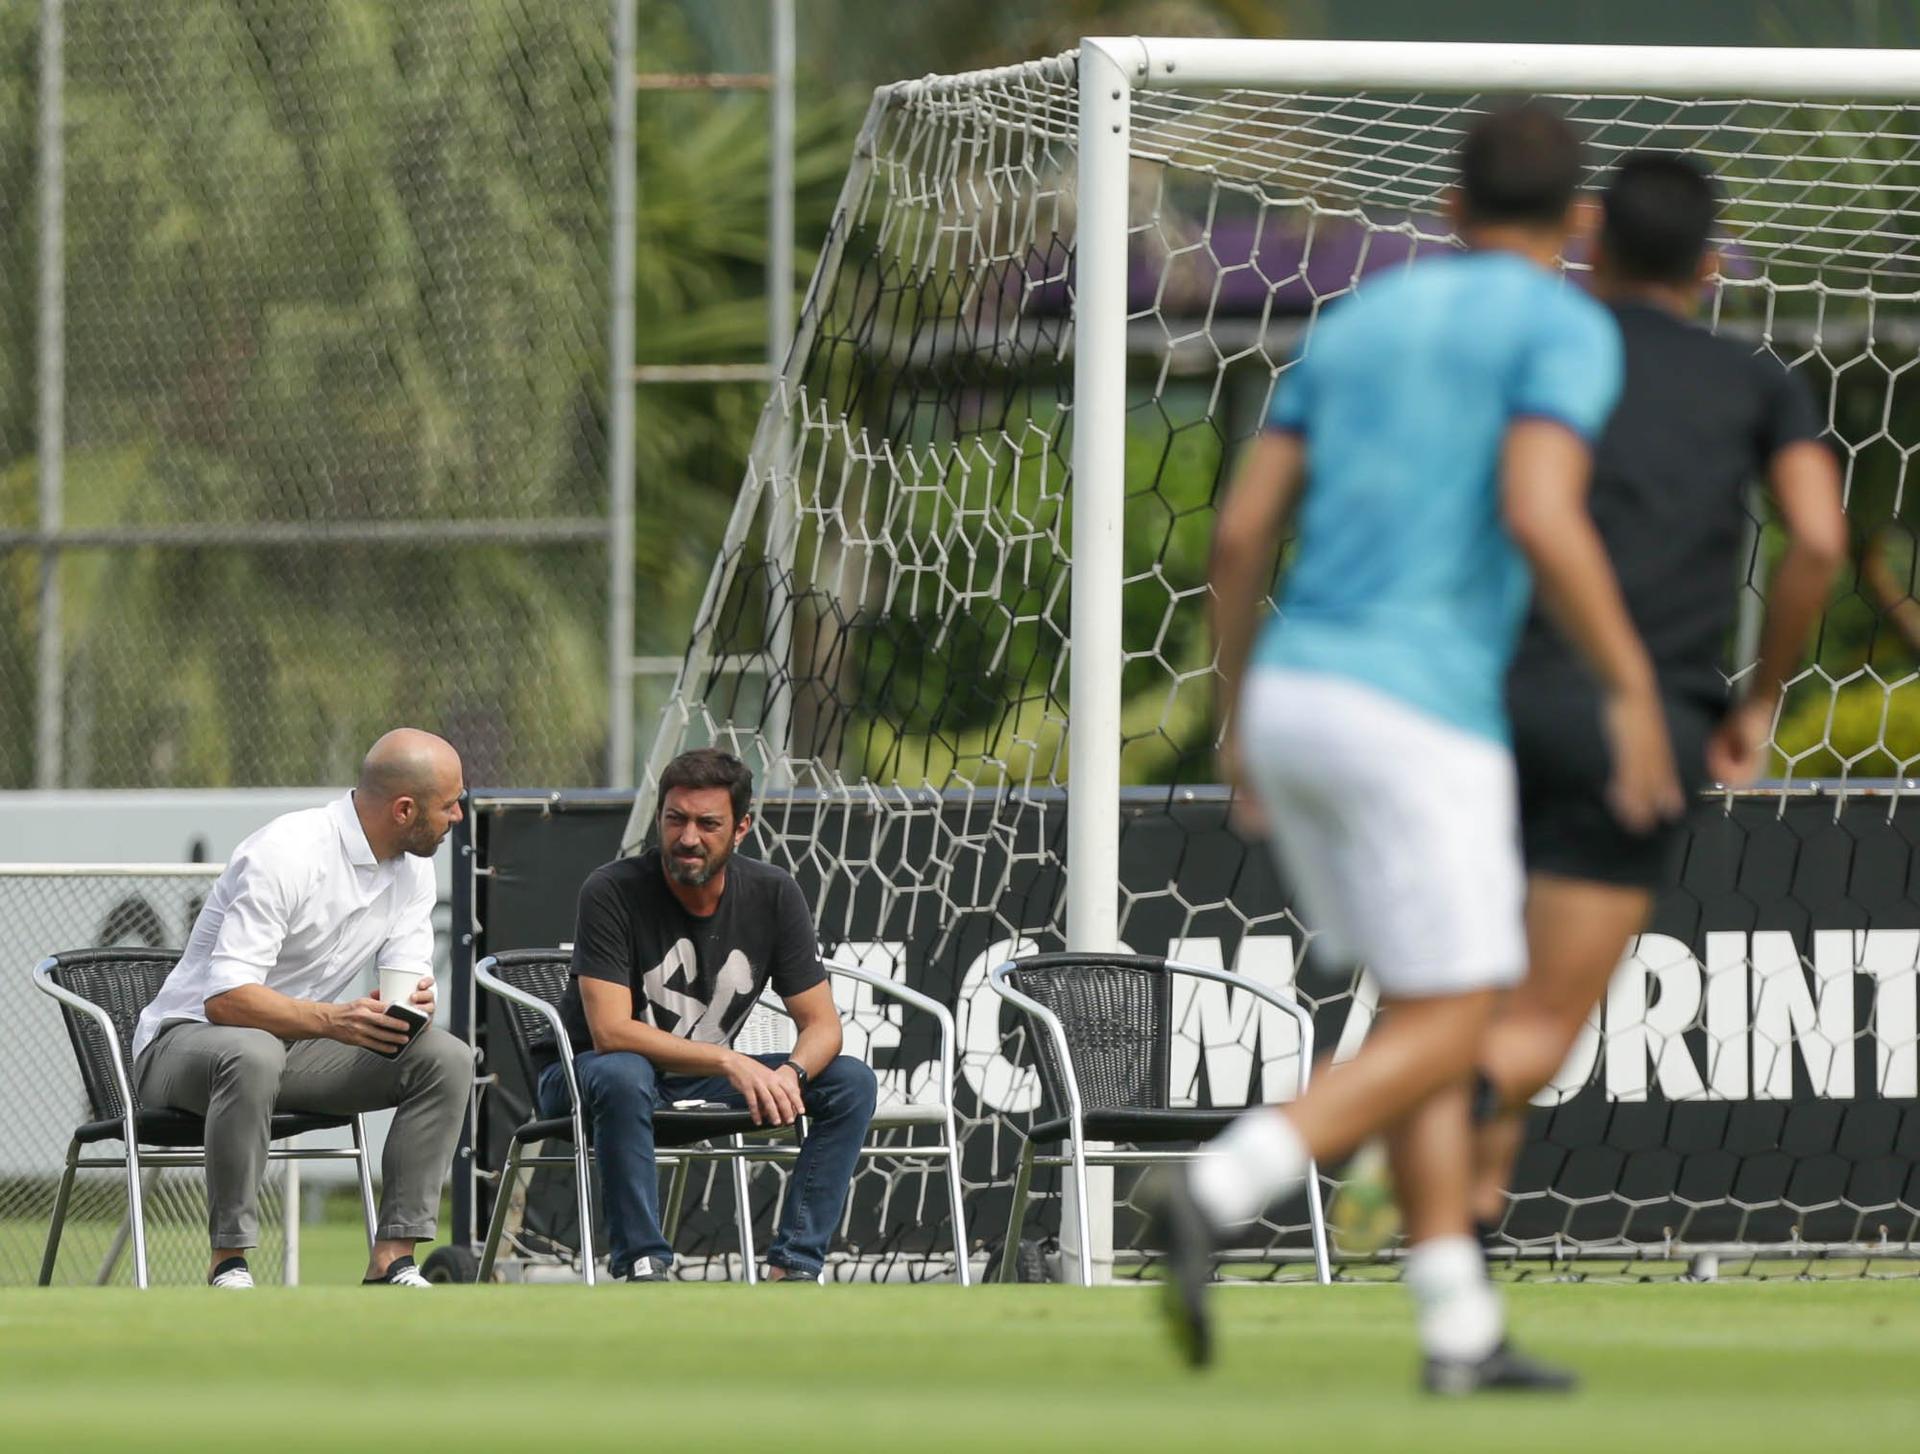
column 414, row 1019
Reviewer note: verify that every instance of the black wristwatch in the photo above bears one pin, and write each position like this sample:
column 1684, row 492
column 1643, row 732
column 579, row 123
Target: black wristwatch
column 800, row 1074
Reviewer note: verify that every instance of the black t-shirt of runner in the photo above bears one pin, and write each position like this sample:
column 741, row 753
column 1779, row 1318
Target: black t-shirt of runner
column 1699, row 419
column 692, row 977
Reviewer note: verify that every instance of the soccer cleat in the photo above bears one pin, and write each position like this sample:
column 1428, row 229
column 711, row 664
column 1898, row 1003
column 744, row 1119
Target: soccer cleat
column 1501, row 1371
column 231, row 1274
column 1181, row 1230
column 648, row 1269
column 400, row 1273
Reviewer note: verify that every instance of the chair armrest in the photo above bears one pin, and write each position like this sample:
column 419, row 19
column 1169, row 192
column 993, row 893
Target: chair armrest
column 893, row 989
column 43, row 979
column 1283, row 1003
column 487, row 980
column 1033, row 1009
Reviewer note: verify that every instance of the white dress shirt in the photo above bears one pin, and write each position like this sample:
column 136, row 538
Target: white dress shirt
column 302, row 908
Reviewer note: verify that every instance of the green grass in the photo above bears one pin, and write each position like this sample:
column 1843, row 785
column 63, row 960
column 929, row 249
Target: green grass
column 1755, row 1366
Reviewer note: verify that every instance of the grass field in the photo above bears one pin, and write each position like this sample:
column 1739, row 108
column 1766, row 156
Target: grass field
column 1753, row 1366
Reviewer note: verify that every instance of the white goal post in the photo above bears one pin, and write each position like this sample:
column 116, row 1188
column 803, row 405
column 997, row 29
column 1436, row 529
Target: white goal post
column 1026, row 183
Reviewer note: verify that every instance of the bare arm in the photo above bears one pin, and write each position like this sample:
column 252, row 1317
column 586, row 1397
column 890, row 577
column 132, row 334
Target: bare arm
column 1806, row 489
column 363, row 1022
column 772, row 1096
column 609, row 1010
column 1246, row 534
column 817, row 1019
column 1544, row 471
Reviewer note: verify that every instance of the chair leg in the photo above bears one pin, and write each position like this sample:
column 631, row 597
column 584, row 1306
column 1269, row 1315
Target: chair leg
column 1316, row 1214
column 497, row 1223
column 1017, row 1216
column 743, row 1210
column 676, row 1198
column 962, row 1269
column 59, row 1222
column 366, row 1181
column 136, row 1215
column 1083, row 1223
column 583, row 1202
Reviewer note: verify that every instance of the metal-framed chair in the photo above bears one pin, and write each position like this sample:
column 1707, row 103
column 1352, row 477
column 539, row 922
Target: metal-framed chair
column 533, row 981
column 771, row 1029
column 1104, row 1053
column 101, row 993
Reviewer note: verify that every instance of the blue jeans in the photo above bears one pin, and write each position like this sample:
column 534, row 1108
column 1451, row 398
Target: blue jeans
column 620, row 1091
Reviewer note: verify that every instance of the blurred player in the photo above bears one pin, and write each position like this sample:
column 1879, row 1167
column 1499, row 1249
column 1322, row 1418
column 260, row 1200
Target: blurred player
column 1699, row 419
column 1435, row 436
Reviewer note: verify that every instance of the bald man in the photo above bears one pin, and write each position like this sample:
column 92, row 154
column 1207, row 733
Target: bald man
column 255, row 1018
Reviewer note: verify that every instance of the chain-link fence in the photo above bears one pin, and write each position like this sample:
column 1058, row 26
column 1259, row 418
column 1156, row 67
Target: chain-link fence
column 328, row 450
column 45, row 909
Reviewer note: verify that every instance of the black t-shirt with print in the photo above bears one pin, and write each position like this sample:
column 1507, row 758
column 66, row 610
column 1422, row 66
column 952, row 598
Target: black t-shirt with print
column 692, row 977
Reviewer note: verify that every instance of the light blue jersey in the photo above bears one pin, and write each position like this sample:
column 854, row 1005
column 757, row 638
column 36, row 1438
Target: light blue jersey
column 1404, row 576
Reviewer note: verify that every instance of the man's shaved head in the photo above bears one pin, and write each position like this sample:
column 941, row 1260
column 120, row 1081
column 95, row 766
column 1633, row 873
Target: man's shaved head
column 408, row 796
column 408, row 763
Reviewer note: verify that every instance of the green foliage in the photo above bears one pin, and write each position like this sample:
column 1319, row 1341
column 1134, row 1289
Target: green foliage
column 337, row 262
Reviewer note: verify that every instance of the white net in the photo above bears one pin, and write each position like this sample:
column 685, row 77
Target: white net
column 43, row 911
column 887, row 624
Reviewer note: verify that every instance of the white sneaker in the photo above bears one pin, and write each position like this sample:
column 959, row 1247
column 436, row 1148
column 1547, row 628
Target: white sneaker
column 403, row 1273
column 233, row 1273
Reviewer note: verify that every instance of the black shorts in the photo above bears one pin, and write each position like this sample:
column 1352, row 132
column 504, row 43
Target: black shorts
column 1564, row 763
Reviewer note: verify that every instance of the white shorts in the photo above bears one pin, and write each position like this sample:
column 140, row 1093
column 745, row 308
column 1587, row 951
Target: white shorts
column 1399, row 832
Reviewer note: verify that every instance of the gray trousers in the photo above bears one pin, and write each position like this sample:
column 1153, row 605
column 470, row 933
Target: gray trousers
column 237, row 1077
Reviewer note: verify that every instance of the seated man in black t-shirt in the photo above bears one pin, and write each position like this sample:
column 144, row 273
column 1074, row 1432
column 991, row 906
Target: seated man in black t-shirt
column 671, row 950
column 1699, row 419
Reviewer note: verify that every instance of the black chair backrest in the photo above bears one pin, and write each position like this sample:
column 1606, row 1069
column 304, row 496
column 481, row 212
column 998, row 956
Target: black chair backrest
column 123, row 982
column 542, row 973
column 1116, row 1010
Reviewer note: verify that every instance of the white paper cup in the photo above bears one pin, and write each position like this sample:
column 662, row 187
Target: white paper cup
column 397, row 985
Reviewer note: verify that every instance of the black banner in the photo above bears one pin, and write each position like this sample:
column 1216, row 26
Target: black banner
column 1752, row 1078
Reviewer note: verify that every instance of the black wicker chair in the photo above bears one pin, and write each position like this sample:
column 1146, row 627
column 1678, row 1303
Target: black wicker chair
column 532, row 981
column 1103, row 1049
column 101, row 993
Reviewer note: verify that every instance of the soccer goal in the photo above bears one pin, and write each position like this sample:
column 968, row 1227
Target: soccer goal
column 957, row 624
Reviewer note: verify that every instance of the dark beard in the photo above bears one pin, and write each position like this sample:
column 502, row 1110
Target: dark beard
column 694, row 874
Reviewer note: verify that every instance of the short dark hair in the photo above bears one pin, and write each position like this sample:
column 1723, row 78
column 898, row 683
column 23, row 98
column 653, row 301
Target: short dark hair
column 1659, row 209
column 1521, row 162
column 709, row 767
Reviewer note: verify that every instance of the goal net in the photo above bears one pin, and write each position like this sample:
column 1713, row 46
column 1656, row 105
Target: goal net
column 919, row 553
column 46, row 908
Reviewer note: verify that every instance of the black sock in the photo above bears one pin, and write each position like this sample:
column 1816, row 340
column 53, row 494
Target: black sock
column 392, row 1267
column 227, row 1265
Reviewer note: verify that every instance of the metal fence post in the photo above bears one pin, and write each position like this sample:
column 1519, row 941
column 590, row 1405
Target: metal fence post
column 620, row 482
column 51, row 366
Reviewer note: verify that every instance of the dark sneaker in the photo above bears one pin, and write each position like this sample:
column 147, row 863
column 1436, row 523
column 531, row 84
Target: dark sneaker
column 1501, row 1371
column 402, row 1273
column 649, row 1269
column 1180, row 1229
column 788, row 1274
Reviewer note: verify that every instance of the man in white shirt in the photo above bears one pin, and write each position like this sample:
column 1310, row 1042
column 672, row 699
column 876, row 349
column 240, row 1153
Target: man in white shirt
column 251, row 1020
